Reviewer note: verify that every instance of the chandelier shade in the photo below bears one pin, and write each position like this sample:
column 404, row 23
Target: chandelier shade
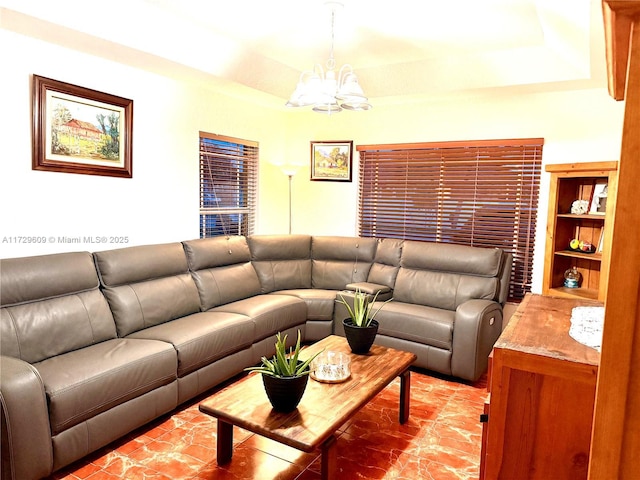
column 327, row 92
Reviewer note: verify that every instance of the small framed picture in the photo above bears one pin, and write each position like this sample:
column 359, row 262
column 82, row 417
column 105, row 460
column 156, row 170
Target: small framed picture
column 599, row 199
column 331, row 160
column 79, row 130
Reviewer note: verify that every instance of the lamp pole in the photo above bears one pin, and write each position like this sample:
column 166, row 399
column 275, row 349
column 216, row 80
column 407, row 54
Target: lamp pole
column 289, row 171
column 290, row 175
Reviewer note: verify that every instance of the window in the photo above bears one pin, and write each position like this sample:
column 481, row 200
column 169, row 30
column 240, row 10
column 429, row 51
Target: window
column 482, row 193
column 228, row 185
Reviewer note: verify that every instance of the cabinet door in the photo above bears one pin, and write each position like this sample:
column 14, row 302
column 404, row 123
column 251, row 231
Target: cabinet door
column 539, row 425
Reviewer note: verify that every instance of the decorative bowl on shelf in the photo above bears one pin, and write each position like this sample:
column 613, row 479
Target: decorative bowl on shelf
column 576, row 245
column 331, row 367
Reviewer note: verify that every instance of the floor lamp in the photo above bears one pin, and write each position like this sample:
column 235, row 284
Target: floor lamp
column 289, row 173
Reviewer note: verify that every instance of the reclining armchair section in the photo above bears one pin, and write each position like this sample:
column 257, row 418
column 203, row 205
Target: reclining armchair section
column 96, row 345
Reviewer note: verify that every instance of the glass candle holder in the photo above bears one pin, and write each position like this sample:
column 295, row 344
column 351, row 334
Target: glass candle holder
column 331, row 367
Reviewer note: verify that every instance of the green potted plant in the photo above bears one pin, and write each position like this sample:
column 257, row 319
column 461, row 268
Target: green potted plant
column 284, row 376
column 361, row 328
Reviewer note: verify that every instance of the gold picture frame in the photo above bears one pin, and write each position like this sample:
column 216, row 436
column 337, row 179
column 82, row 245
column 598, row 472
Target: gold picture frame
column 331, row 160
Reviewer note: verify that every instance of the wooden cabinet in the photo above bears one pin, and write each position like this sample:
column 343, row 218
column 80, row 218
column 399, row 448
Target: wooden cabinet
column 570, row 182
column 542, row 390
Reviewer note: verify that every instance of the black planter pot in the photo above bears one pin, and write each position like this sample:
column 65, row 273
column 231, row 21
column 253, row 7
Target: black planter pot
column 284, row 393
column 360, row 338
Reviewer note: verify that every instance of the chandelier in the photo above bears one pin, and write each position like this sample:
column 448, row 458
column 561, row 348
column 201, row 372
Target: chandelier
column 324, row 90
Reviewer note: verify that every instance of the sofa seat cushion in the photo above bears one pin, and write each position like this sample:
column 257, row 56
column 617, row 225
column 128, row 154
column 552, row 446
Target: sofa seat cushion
column 319, row 302
column 202, row 338
column 83, row 383
column 416, row 323
column 270, row 313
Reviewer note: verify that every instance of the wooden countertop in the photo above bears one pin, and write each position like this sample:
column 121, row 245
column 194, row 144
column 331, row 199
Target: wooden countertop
column 540, row 326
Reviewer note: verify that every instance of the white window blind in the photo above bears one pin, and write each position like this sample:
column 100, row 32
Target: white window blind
column 479, row 193
column 228, row 185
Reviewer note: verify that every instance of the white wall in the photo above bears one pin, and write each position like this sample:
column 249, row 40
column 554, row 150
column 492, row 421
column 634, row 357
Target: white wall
column 160, row 202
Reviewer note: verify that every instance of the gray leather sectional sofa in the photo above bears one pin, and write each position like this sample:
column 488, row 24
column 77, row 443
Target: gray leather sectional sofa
column 94, row 345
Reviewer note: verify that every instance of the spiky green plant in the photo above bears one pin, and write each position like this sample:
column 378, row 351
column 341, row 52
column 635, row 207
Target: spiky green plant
column 362, row 313
column 283, row 364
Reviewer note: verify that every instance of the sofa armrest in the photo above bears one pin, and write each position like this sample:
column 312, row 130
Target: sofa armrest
column 27, row 451
column 383, row 292
column 477, row 326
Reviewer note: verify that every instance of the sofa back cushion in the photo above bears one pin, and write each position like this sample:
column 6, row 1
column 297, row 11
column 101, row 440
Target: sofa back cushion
column 51, row 304
column 282, row 262
column 222, row 270
column 146, row 285
column 386, row 263
column 338, row 261
column 445, row 275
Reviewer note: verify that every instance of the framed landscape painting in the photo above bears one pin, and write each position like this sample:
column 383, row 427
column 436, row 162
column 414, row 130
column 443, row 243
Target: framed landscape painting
column 79, row 130
column 331, row 160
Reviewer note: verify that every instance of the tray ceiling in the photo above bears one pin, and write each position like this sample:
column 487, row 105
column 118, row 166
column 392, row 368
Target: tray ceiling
column 401, row 51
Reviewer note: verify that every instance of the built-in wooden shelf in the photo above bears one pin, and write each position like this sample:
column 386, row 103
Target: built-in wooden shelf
column 586, row 293
column 571, row 182
column 586, row 216
column 587, row 256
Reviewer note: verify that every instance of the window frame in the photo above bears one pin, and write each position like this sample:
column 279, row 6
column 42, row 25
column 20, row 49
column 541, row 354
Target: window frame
column 228, row 169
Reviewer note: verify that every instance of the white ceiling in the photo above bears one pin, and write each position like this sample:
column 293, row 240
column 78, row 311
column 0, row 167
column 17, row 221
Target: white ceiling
column 401, row 51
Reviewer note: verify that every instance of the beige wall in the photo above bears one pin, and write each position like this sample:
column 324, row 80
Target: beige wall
column 160, row 202
column 577, row 126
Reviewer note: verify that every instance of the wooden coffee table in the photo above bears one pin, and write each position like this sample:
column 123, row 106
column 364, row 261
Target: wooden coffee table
column 324, row 406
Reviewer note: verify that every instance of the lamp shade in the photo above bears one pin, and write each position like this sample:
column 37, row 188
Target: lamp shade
column 298, row 98
column 356, row 106
column 328, row 108
column 350, row 89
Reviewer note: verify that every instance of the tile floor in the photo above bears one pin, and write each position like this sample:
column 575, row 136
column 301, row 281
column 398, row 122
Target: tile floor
column 441, row 441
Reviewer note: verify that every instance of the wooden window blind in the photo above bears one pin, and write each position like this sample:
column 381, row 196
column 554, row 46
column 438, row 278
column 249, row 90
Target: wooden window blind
column 228, row 185
column 479, row 193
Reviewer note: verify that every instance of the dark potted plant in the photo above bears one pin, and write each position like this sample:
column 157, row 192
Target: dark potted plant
column 284, row 376
column 361, row 328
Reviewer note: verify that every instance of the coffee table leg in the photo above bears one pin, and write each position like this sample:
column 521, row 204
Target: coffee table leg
column 225, row 442
column 329, row 459
column 405, row 394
